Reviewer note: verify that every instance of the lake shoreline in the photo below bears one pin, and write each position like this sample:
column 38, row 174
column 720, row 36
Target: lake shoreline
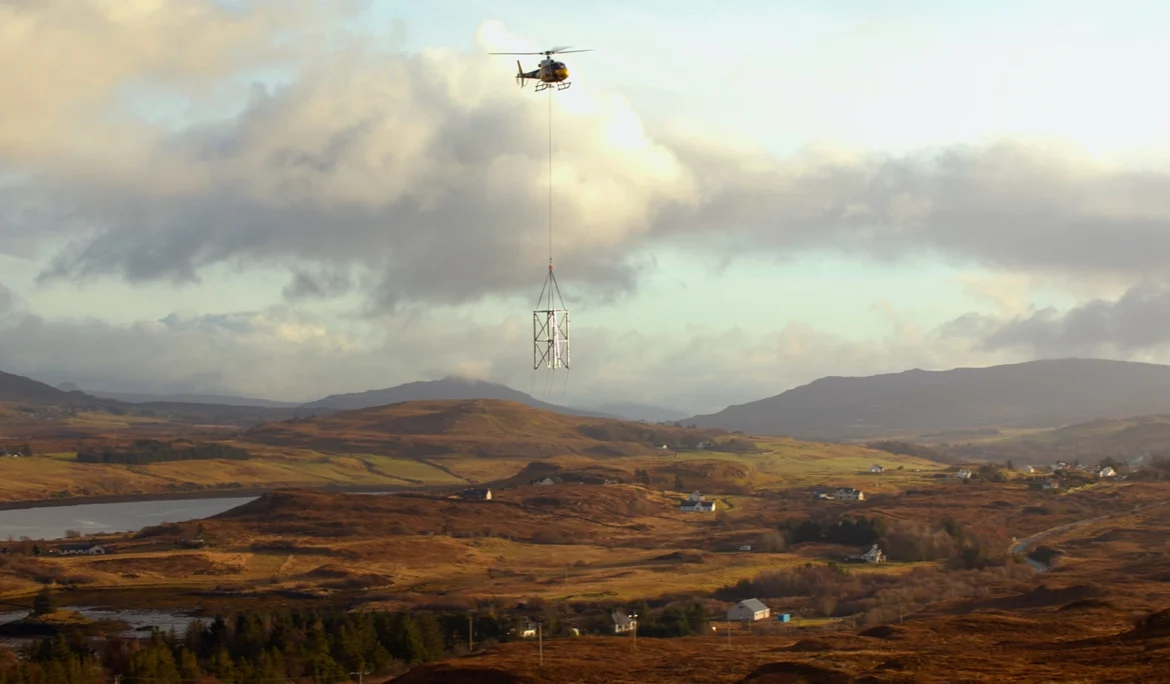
column 227, row 493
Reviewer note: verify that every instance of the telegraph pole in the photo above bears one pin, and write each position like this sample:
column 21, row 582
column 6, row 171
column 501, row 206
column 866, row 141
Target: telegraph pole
column 470, row 628
column 540, row 640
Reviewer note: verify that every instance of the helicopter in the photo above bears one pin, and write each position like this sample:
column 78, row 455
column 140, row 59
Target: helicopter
column 549, row 73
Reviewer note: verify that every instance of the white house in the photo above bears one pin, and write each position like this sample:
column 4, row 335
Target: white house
column 1029, row 469
column 544, row 482
column 749, row 610
column 874, row 555
column 1108, row 471
column 80, row 550
column 623, row 623
column 848, row 494
column 875, row 468
column 529, row 631
column 695, row 502
column 963, row 474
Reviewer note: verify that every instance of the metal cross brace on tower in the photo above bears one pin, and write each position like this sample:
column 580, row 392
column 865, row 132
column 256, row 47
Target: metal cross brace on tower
column 550, row 327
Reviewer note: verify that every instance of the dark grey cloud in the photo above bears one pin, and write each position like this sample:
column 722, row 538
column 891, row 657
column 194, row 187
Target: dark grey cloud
column 325, row 284
column 1007, row 205
column 1138, row 321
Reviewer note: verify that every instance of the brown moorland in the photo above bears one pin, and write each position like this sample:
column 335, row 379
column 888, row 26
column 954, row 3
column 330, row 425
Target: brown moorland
column 607, row 545
column 431, row 444
column 557, row 543
column 1100, row 615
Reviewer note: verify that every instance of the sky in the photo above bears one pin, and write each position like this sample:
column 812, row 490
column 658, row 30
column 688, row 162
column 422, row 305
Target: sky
column 295, row 198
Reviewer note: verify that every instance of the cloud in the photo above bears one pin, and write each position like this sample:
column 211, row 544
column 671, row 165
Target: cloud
column 1136, row 323
column 76, row 57
column 421, row 178
column 1006, row 205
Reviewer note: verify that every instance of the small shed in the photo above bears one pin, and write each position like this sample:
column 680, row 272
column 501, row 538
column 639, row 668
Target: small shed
column 749, row 610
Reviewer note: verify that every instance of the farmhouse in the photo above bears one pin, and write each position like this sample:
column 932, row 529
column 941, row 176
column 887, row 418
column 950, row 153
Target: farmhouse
column 529, row 631
column 695, row 502
column 873, row 555
column 475, row 494
column 546, row 481
column 1108, row 471
column 623, row 623
column 848, row 494
column 80, row 550
column 749, row 610
column 875, row 468
column 963, row 474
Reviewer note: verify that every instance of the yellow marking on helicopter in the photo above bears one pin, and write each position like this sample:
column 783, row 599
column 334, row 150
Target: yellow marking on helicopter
column 549, row 73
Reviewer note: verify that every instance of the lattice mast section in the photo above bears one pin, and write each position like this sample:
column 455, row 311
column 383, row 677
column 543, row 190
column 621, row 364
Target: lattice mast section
column 550, row 324
column 550, row 327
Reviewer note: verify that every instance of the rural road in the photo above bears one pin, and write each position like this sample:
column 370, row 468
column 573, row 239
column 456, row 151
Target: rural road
column 1023, row 546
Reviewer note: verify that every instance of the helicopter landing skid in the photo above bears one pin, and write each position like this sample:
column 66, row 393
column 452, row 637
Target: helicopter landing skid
column 563, row 85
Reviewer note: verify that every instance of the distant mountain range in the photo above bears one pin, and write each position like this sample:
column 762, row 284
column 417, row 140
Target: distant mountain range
column 216, row 399
column 633, row 411
column 917, row 403
column 921, row 405
column 447, row 388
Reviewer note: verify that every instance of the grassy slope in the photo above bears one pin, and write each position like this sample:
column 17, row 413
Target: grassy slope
column 424, row 443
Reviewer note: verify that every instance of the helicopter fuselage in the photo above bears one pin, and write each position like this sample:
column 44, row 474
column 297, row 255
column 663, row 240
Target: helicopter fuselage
column 549, row 71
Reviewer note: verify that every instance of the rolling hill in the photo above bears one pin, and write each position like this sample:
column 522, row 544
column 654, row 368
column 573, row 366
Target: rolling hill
column 1035, row 394
column 20, row 390
column 1122, row 440
column 446, row 389
column 472, row 427
column 17, row 388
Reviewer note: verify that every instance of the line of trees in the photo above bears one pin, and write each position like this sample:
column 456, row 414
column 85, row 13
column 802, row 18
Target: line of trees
column 143, row 451
column 324, row 646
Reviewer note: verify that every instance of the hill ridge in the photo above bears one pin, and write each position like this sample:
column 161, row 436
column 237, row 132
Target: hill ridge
column 1044, row 393
column 451, row 387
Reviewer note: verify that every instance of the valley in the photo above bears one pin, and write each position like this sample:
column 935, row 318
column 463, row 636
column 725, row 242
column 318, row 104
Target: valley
column 587, row 516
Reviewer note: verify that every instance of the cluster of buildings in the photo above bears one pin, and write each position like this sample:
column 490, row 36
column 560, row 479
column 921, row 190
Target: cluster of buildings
column 746, row 611
column 695, row 503
column 840, row 494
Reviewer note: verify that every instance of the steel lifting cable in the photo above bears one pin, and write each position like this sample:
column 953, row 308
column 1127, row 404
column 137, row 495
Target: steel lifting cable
column 550, row 179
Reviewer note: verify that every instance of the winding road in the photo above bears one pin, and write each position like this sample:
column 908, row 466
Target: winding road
column 1023, row 546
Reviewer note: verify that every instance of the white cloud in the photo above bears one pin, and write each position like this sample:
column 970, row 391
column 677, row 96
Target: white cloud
column 419, row 179
column 422, row 178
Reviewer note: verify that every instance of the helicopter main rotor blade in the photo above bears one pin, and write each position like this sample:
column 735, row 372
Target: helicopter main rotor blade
column 546, row 53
